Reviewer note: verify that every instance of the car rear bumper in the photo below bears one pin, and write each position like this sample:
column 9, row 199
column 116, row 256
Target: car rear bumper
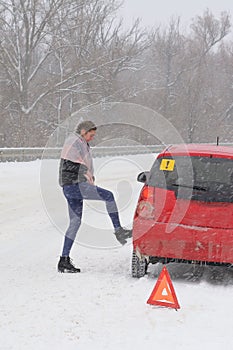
column 181, row 242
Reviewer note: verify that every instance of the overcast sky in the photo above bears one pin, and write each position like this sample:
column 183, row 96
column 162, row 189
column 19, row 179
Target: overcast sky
column 154, row 12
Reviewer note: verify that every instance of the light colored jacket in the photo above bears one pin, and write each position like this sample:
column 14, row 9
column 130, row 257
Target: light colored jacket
column 78, row 150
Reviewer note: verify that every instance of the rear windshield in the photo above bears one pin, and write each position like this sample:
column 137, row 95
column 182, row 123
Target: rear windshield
column 198, row 178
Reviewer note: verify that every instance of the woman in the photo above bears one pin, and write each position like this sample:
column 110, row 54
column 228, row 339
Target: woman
column 76, row 176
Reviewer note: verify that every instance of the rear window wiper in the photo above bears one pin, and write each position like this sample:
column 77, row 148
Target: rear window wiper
column 195, row 187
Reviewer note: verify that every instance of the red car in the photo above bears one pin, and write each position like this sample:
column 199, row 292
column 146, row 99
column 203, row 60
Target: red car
column 185, row 208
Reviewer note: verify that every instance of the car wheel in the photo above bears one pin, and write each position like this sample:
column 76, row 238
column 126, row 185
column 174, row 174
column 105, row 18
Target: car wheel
column 139, row 266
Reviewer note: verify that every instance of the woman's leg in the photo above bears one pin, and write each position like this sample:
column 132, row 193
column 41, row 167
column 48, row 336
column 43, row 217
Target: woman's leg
column 111, row 206
column 75, row 206
column 92, row 192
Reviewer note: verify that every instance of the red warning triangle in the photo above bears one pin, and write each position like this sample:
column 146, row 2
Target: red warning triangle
column 163, row 293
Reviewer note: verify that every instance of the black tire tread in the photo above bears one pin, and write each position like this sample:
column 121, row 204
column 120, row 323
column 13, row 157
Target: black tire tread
column 139, row 266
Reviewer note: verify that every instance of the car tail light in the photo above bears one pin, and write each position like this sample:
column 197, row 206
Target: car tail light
column 145, row 207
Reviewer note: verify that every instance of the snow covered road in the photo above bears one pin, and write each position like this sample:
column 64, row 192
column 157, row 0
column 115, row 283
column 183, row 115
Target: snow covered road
column 103, row 307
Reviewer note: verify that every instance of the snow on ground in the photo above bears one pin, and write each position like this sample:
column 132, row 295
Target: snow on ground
column 103, row 307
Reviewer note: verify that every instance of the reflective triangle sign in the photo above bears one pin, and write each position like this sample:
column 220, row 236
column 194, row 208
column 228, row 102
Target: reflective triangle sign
column 163, row 293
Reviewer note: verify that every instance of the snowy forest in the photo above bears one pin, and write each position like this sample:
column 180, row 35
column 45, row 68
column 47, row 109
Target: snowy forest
column 57, row 56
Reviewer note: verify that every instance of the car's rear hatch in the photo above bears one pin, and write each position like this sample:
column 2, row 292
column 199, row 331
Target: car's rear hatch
column 193, row 191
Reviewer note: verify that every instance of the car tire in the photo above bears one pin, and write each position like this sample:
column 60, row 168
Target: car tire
column 139, row 266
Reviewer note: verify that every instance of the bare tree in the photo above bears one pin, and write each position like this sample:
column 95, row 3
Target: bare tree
column 180, row 70
column 62, row 54
column 208, row 33
column 167, row 49
column 24, row 47
column 57, row 56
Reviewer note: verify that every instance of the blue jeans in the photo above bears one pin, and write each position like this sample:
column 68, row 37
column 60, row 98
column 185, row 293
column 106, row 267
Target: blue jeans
column 75, row 194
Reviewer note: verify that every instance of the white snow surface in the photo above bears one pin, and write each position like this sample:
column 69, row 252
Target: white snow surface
column 103, row 307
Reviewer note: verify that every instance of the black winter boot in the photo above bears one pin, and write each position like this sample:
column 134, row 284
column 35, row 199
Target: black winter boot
column 122, row 234
column 65, row 265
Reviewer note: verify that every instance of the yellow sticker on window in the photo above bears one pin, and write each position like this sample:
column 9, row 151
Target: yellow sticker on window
column 167, row 164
